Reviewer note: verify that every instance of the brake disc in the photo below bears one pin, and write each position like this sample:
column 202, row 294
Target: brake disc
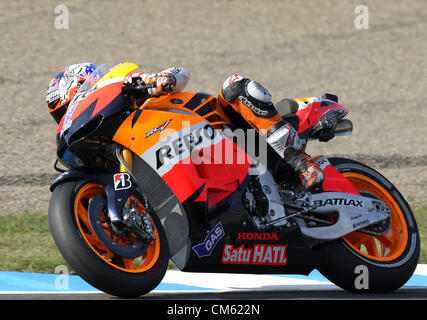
column 121, row 243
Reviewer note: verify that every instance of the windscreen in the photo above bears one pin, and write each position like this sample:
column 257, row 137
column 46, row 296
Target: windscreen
column 94, row 77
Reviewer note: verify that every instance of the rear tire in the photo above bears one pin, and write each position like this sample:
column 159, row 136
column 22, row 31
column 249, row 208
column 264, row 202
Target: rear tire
column 97, row 265
column 366, row 263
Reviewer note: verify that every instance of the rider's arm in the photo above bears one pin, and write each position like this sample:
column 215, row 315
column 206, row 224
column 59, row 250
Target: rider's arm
column 182, row 76
column 169, row 80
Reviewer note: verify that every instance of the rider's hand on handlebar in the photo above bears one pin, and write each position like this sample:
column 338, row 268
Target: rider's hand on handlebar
column 162, row 83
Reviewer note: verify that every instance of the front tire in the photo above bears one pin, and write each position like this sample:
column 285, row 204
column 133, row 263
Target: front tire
column 100, row 267
column 360, row 262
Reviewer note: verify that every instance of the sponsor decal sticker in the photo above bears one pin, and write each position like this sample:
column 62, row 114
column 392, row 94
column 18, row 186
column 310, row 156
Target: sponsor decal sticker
column 360, row 223
column 206, row 247
column 257, row 236
column 67, row 120
column 323, row 162
column 122, row 181
column 52, row 96
column 261, row 254
column 160, row 127
column 181, row 146
column 339, row 201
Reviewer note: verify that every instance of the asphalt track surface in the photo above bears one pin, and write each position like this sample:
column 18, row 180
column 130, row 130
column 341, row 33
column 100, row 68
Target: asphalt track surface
column 401, row 294
column 255, row 301
column 180, row 286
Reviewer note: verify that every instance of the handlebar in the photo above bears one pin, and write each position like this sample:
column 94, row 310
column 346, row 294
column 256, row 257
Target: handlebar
column 137, row 91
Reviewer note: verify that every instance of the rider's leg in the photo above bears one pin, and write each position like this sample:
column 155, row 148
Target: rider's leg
column 253, row 102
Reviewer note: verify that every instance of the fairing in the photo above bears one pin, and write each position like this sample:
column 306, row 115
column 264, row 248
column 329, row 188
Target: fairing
column 183, row 148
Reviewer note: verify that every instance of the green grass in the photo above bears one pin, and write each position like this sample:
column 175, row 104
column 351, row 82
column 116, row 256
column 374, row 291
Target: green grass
column 26, row 243
column 420, row 214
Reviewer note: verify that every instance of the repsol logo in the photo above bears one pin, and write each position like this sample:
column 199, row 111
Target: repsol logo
column 183, row 145
column 338, row 201
column 84, row 94
column 323, row 162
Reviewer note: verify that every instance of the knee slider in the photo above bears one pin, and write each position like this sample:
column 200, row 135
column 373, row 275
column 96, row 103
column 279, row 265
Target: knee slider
column 258, row 100
column 251, row 93
column 257, row 91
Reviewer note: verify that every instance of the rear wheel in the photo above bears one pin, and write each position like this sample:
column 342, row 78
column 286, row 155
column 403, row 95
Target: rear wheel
column 383, row 258
column 118, row 263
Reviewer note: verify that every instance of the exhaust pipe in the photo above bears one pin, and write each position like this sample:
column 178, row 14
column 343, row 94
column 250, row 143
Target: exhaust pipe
column 343, row 127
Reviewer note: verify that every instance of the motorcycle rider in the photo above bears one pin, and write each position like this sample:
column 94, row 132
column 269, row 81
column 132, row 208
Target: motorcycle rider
column 238, row 95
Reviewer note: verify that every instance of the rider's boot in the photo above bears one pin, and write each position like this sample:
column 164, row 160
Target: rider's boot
column 253, row 102
column 284, row 139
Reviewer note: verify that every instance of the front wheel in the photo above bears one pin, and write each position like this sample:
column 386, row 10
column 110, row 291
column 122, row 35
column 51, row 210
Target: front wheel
column 77, row 236
column 365, row 262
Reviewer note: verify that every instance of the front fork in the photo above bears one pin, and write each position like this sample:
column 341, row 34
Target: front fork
column 126, row 160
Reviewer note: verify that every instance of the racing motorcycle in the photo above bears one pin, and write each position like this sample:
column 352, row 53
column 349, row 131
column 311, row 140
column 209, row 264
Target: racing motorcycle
column 169, row 180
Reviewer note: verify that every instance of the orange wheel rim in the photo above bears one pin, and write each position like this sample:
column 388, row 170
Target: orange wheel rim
column 388, row 246
column 138, row 265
